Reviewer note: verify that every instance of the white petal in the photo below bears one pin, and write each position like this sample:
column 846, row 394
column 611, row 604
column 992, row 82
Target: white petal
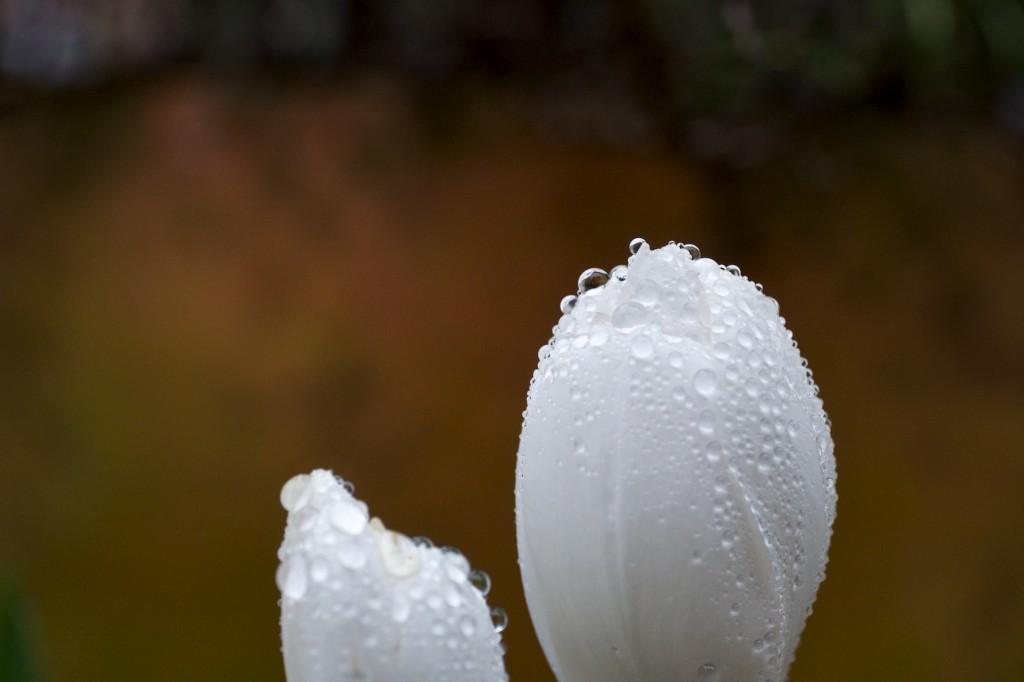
column 675, row 481
column 360, row 602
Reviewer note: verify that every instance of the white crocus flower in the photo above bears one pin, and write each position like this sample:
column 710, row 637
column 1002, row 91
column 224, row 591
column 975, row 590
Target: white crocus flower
column 674, row 503
column 675, row 483
column 360, row 602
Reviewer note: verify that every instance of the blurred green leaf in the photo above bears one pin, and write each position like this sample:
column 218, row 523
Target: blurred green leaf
column 19, row 648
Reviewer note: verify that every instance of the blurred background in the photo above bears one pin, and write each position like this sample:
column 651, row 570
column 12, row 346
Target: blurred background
column 243, row 239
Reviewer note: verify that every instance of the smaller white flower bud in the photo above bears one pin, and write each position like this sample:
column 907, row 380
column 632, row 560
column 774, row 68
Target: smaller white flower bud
column 361, row 602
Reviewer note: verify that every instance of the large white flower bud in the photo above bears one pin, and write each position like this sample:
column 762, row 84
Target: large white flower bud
column 360, row 602
column 675, row 482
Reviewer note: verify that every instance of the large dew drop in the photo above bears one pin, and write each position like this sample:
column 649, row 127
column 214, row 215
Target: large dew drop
column 591, row 279
column 292, row 577
column 705, row 381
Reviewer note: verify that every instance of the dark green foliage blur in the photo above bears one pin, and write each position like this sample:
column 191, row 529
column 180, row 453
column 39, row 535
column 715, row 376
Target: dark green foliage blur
column 733, row 81
column 19, row 645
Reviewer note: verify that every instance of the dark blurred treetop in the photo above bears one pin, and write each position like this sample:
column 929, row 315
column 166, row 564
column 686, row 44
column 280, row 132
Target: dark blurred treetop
column 732, row 81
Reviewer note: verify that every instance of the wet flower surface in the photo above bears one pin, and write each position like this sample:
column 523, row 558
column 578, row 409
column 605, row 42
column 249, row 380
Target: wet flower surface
column 360, row 602
column 676, row 481
column 675, row 494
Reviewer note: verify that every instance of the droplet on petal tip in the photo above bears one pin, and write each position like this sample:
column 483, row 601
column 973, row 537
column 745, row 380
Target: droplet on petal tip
column 359, row 601
column 698, row 433
column 481, row 581
column 591, row 278
column 499, row 619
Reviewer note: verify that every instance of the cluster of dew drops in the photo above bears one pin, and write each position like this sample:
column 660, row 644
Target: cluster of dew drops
column 594, row 278
column 293, row 584
column 478, row 578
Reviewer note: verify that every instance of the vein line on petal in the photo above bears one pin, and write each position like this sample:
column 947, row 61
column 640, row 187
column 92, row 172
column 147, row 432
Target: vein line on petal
column 762, row 542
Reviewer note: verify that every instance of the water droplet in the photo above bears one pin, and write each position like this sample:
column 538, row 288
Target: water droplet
column 707, row 671
column 349, row 486
column 618, row 272
column 636, row 245
column 319, row 569
column 705, row 381
column 713, row 451
column 467, row 625
column 758, row 644
column 706, row 422
column 422, row 541
column 347, row 517
column 305, row 518
column 295, row 493
column 733, row 269
column 692, row 250
column 675, row 358
column 642, row 347
column 629, row 315
column 591, row 278
column 499, row 619
column 599, row 334
column 567, row 304
column 291, row 577
column 351, row 554
column 647, row 292
column 480, row 580
column 457, row 568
